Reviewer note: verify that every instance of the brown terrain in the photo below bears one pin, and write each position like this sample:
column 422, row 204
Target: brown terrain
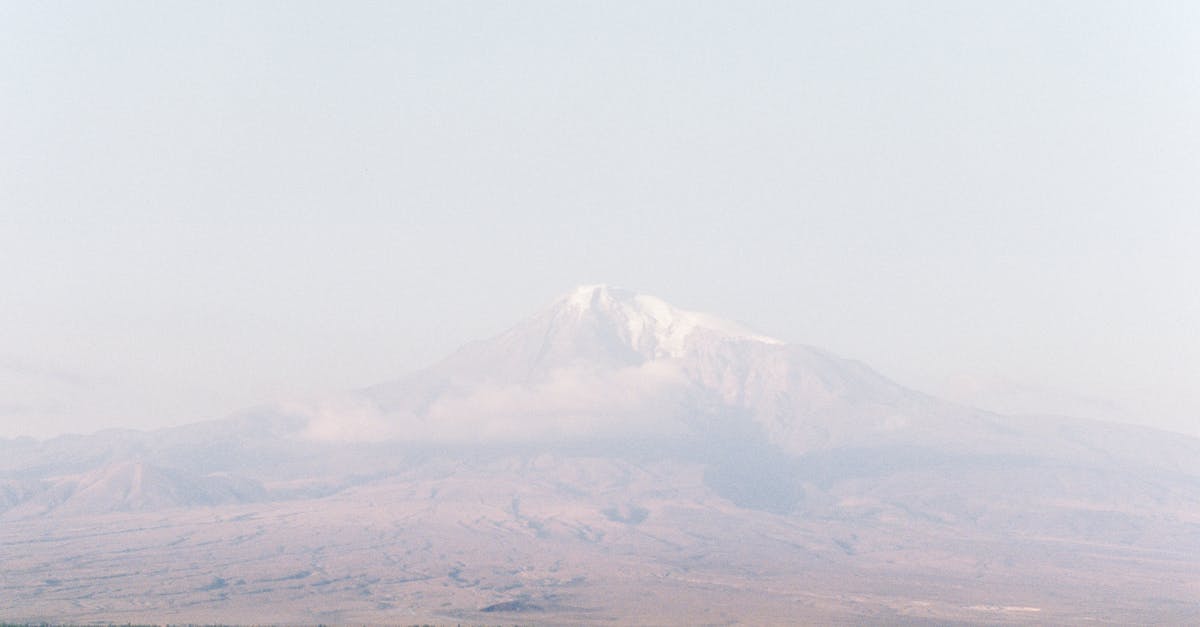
column 653, row 467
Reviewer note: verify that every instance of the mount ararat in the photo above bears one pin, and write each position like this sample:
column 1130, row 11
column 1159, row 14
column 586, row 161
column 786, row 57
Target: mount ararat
column 611, row 459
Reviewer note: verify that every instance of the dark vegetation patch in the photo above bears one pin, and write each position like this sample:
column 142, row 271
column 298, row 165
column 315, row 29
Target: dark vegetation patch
column 512, row 606
column 296, row 575
column 630, row 515
column 216, row 584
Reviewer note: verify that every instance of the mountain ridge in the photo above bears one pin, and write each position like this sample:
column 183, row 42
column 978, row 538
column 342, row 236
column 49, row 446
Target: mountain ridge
column 623, row 342
column 609, row 459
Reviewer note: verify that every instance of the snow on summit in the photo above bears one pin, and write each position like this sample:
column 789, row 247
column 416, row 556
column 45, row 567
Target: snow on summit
column 607, row 362
column 649, row 322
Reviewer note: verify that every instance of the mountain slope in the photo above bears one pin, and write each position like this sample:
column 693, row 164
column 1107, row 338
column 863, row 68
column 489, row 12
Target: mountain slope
column 611, row 459
column 608, row 362
column 128, row 487
column 604, row 361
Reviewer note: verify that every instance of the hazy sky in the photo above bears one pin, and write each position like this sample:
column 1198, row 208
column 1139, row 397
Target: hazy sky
column 205, row 206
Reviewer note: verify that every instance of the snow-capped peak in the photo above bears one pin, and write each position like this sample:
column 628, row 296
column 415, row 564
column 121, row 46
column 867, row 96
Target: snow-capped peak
column 649, row 324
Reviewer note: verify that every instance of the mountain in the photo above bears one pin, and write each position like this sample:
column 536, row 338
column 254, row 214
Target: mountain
column 130, row 486
column 603, row 361
column 611, row 459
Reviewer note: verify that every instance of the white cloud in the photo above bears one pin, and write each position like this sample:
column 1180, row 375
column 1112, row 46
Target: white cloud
column 570, row 404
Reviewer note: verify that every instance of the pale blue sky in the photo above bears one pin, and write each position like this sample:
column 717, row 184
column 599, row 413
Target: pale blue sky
column 204, row 206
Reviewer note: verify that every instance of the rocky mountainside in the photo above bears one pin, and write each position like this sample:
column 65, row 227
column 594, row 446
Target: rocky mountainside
column 612, row 458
